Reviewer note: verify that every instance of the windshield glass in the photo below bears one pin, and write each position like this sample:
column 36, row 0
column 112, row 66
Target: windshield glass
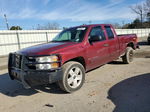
column 71, row 35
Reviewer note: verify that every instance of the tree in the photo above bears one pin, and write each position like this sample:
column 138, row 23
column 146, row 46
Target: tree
column 147, row 10
column 139, row 10
column 148, row 16
column 147, row 6
column 15, row 28
column 48, row 26
column 116, row 25
column 125, row 26
column 136, row 23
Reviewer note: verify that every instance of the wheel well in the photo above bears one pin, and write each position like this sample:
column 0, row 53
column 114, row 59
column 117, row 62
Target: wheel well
column 130, row 45
column 78, row 59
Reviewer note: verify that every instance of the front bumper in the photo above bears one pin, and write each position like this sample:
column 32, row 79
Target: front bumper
column 19, row 70
column 34, row 78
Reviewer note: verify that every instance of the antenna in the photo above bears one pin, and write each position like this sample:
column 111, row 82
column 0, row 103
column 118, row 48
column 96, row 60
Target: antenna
column 6, row 21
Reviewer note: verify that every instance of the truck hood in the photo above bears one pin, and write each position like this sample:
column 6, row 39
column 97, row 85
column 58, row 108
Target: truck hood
column 44, row 49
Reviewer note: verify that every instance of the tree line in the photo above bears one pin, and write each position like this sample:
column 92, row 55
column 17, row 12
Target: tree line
column 47, row 26
column 143, row 12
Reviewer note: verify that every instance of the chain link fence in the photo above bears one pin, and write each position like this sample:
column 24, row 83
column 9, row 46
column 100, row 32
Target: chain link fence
column 11, row 41
column 141, row 33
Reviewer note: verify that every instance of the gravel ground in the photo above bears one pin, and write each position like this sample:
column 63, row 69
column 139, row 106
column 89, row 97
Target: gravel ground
column 114, row 87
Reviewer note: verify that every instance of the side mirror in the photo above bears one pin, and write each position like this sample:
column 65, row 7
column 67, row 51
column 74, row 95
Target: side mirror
column 94, row 38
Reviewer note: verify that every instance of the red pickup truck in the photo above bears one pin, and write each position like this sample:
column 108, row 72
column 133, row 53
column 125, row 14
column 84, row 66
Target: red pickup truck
column 69, row 55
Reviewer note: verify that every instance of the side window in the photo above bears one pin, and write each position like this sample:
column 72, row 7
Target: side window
column 97, row 31
column 109, row 32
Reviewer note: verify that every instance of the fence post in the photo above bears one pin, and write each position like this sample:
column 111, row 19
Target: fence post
column 18, row 40
column 47, row 37
column 141, row 34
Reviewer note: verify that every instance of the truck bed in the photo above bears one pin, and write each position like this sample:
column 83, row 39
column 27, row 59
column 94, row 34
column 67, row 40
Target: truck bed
column 127, row 35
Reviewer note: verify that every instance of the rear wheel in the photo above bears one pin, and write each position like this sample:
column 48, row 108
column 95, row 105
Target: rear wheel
column 128, row 57
column 149, row 42
column 73, row 76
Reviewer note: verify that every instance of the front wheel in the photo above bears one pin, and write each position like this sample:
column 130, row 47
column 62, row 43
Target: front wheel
column 73, row 76
column 128, row 57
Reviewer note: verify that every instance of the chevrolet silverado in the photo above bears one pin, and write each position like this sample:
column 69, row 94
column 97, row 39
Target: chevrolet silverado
column 72, row 53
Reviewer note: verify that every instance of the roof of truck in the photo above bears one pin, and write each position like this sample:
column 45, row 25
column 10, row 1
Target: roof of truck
column 92, row 25
column 95, row 24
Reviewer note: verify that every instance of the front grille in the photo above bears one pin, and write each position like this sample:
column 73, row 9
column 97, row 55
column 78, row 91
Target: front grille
column 21, row 62
column 31, row 60
column 16, row 60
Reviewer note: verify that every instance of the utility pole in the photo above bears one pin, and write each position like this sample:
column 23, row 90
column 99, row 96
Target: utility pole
column 6, row 21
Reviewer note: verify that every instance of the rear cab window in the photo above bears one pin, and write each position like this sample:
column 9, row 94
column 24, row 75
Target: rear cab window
column 109, row 32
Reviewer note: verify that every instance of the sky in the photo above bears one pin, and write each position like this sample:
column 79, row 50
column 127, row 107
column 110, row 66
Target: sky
column 29, row 13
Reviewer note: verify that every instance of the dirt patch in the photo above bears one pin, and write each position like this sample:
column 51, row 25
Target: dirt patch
column 114, row 87
column 143, row 54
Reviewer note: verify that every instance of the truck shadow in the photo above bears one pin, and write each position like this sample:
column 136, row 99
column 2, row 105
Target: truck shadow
column 117, row 62
column 131, row 95
column 14, row 88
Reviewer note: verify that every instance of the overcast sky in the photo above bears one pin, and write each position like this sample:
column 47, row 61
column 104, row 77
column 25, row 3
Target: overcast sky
column 29, row 13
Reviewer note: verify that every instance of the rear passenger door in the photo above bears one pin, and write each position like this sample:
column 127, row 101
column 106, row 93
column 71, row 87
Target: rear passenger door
column 113, row 44
column 97, row 51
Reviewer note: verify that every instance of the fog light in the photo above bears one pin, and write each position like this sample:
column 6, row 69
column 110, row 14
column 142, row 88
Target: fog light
column 43, row 66
column 47, row 66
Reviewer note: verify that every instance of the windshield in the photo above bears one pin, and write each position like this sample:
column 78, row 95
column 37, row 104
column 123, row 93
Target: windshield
column 71, row 35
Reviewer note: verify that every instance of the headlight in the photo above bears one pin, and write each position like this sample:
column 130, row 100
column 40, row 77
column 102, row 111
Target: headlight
column 47, row 62
column 47, row 59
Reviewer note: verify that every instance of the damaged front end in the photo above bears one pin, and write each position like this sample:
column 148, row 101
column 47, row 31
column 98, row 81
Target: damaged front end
column 31, row 72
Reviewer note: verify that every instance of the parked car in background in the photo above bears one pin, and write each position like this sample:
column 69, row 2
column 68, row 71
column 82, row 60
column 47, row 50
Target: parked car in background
column 69, row 55
column 148, row 39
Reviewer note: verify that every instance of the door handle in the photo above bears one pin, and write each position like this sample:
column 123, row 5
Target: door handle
column 106, row 45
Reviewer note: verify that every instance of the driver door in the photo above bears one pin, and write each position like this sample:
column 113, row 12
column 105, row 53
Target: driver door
column 97, row 51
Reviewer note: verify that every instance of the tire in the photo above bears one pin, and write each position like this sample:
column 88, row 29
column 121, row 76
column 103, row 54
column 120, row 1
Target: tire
column 148, row 42
column 73, row 77
column 128, row 57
